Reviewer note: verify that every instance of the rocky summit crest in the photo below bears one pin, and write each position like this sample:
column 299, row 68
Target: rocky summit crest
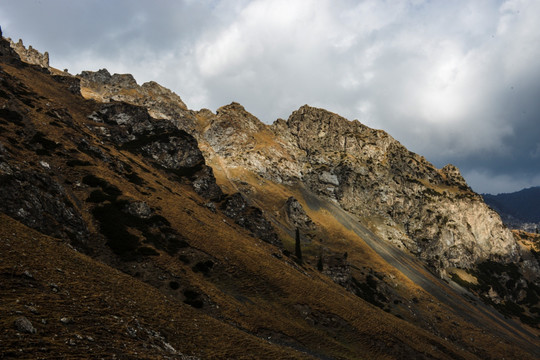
column 431, row 212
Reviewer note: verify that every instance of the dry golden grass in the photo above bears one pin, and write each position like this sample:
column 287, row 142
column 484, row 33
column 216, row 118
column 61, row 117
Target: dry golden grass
column 530, row 240
column 102, row 304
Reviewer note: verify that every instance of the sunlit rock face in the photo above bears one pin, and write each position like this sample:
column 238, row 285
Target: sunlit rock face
column 428, row 211
column 30, row 55
column 160, row 102
column 431, row 212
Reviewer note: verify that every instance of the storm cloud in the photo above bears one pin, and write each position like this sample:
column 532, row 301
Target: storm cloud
column 455, row 81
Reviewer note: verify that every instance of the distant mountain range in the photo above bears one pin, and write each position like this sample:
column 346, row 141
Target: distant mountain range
column 518, row 210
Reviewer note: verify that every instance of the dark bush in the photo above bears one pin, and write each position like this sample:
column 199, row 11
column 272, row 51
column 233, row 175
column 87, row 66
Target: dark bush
column 184, row 258
column 47, row 144
column 112, row 190
column 367, row 292
column 135, row 179
column 98, row 196
column 76, row 162
column 94, row 181
column 11, row 116
column 147, row 251
column 113, row 225
column 193, row 299
column 203, row 267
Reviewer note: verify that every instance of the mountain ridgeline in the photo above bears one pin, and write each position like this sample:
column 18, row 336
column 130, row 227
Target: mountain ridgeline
column 518, row 210
column 197, row 234
column 430, row 212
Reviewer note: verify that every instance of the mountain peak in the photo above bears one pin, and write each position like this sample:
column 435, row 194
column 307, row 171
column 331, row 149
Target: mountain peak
column 30, row 55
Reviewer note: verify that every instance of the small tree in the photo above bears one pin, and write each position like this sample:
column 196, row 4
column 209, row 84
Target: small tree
column 320, row 265
column 297, row 247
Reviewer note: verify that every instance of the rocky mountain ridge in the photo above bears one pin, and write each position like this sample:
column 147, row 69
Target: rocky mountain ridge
column 203, row 207
column 30, row 55
column 430, row 212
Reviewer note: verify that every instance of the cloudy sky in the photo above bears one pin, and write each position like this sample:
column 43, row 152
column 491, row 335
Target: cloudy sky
column 456, row 81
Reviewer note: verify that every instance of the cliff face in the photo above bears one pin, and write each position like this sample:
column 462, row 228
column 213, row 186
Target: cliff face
column 160, row 102
column 430, row 212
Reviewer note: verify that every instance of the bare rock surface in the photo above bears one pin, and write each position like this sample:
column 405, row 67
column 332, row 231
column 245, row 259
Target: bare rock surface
column 297, row 215
column 237, row 207
column 400, row 195
column 160, row 102
column 30, row 55
column 24, row 325
column 132, row 128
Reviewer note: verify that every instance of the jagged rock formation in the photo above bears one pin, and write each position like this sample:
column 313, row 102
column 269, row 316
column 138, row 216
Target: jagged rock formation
column 30, row 55
column 297, row 216
column 403, row 198
column 370, row 174
column 133, row 129
column 431, row 212
column 160, row 102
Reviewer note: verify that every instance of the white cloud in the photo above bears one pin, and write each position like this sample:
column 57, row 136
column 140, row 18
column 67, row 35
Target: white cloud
column 455, row 81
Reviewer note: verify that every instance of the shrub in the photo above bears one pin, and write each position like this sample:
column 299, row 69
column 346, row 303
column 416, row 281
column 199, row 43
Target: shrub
column 203, row 267
column 113, row 225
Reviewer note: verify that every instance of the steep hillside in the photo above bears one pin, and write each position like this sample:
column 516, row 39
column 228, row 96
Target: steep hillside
column 431, row 212
column 397, row 194
column 518, row 210
column 58, row 303
column 187, row 222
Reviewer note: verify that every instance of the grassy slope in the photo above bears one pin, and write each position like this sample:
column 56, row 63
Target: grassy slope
column 102, row 303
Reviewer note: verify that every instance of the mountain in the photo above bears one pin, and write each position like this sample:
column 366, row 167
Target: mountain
column 134, row 227
column 518, row 210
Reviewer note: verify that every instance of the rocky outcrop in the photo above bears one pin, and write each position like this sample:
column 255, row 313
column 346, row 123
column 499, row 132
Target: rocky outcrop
column 132, row 128
column 160, row 102
column 7, row 54
column 432, row 212
column 337, row 268
column 37, row 200
column 237, row 207
column 436, row 215
column 240, row 140
column 30, row 55
column 297, row 216
column 22, row 324
column 405, row 199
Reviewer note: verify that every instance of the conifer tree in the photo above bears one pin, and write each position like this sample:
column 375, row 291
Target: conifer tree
column 320, row 265
column 297, row 248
